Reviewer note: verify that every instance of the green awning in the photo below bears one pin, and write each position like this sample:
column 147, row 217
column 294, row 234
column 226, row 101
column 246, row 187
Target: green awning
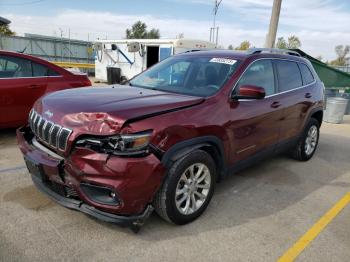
column 330, row 76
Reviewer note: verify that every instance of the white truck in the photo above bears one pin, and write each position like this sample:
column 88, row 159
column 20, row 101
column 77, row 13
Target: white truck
column 132, row 56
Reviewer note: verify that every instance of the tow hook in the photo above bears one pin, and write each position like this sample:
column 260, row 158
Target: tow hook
column 137, row 224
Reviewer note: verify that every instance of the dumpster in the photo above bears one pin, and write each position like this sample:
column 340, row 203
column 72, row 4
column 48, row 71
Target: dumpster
column 113, row 75
column 335, row 109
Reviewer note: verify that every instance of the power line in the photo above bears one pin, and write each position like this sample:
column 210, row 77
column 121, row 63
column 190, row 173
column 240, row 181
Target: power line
column 214, row 31
column 217, row 4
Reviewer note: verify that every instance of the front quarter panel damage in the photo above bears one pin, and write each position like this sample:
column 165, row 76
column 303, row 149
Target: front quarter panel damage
column 135, row 180
column 92, row 123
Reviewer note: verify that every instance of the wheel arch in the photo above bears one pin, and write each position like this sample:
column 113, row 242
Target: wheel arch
column 210, row 144
column 318, row 115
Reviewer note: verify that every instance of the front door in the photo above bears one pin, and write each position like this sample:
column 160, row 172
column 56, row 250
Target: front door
column 255, row 124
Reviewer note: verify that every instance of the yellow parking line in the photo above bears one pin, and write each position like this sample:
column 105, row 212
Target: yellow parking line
column 316, row 229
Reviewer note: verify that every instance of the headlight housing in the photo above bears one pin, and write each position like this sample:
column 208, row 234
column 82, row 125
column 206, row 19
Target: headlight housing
column 122, row 145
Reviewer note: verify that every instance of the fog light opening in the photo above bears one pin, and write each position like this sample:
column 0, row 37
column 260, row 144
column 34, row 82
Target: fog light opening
column 100, row 194
column 112, row 194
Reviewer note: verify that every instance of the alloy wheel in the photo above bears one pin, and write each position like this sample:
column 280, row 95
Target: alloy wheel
column 311, row 140
column 192, row 188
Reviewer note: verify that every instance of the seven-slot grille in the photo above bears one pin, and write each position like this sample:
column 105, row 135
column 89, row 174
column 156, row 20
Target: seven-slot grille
column 52, row 134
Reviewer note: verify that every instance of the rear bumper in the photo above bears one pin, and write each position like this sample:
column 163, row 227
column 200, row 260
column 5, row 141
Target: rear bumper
column 125, row 221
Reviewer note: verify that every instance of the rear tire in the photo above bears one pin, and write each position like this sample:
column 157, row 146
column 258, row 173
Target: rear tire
column 308, row 141
column 187, row 189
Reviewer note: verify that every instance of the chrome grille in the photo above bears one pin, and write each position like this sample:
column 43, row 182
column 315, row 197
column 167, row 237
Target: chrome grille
column 51, row 134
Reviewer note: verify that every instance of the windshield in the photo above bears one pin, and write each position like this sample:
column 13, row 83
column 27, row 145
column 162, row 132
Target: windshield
column 197, row 76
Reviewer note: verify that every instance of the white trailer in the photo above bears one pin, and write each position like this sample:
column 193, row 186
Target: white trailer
column 133, row 56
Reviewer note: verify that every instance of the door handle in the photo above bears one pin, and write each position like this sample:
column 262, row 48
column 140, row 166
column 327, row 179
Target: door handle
column 308, row 95
column 275, row 104
column 33, row 86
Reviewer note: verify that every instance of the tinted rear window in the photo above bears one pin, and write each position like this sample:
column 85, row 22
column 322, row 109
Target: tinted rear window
column 53, row 73
column 306, row 74
column 289, row 76
column 39, row 70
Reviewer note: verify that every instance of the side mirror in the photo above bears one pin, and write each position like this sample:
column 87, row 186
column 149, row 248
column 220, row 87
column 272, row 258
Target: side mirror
column 250, row 92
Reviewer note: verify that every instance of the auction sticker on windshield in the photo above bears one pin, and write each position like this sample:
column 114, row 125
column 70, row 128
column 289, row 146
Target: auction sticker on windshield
column 223, row 60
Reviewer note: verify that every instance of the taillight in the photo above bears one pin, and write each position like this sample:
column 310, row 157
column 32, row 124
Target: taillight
column 87, row 82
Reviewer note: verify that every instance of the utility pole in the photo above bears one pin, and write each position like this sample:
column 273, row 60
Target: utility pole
column 214, row 31
column 61, row 43
column 70, row 52
column 271, row 36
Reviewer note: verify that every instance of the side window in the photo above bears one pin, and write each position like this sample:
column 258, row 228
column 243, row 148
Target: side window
column 51, row 72
column 306, row 74
column 39, row 70
column 260, row 73
column 289, row 76
column 12, row 67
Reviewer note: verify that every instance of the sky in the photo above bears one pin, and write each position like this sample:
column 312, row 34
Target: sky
column 319, row 24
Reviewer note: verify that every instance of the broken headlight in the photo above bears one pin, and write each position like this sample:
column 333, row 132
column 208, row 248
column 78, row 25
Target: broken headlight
column 123, row 145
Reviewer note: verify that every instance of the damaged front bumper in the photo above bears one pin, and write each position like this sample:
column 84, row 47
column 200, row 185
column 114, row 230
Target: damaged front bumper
column 109, row 188
column 134, row 222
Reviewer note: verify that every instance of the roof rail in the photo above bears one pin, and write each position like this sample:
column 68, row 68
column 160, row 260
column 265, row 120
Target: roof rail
column 192, row 50
column 272, row 51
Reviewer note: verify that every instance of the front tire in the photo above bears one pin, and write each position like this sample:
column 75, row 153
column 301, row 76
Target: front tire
column 187, row 189
column 308, row 142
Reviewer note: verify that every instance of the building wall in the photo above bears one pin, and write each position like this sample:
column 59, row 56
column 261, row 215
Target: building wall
column 50, row 48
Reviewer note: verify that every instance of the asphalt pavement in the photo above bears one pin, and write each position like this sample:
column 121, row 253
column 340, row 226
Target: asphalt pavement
column 255, row 215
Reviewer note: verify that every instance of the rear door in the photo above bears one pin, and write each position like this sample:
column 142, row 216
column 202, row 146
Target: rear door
column 20, row 87
column 255, row 124
column 295, row 96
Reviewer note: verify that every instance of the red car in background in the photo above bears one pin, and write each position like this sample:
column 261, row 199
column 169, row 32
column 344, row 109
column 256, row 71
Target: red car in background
column 23, row 79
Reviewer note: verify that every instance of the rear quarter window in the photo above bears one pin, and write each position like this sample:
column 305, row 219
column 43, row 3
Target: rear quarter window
column 39, row 70
column 308, row 77
column 52, row 72
column 289, row 76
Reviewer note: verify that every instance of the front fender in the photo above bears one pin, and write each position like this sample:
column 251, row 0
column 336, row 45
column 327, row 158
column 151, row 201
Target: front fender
column 209, row 143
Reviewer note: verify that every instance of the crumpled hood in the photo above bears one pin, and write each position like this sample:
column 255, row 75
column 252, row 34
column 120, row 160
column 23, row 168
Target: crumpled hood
column 104, row 110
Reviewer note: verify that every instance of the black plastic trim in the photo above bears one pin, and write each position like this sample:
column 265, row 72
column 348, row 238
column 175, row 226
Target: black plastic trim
column 267, row 152
column 312, row 112
column 124, row 221
column 185, row 147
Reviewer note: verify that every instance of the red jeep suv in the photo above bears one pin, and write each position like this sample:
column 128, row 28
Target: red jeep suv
column 165, row 138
